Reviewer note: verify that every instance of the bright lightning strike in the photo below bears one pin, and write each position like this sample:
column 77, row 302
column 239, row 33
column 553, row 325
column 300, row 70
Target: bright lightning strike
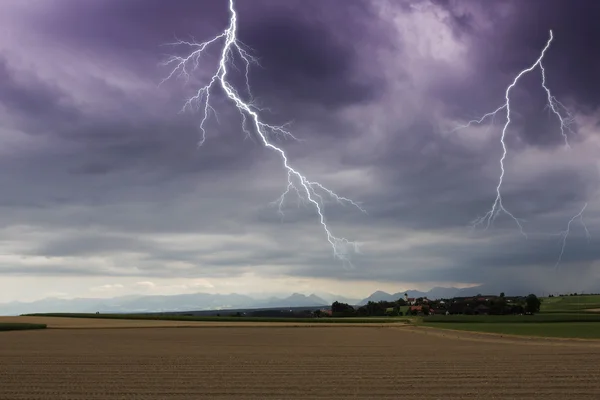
column 564, row 234
column 553, row 105
column 307, row 191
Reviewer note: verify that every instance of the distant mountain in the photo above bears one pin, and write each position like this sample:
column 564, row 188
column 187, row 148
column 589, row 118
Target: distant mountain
column 512, row 289
column 378, row 296
column 515, row 289
column 434, row 293
column 206, row 301
column 439, row 292
column 295, row 300
column 140, row 303
column 330, row 298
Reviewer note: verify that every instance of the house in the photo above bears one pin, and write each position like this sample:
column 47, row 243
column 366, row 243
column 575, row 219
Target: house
column 419, row 310
column 409, row 300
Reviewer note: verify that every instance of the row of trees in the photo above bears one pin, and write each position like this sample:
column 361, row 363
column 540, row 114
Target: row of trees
column 371, row 309
column 494, row 306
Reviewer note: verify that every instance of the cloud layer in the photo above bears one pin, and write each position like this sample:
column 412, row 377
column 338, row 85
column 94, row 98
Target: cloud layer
column 103, row 185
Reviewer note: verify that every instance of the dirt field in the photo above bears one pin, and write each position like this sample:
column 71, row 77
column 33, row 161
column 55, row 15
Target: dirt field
column 282, row 363
column 93, row 323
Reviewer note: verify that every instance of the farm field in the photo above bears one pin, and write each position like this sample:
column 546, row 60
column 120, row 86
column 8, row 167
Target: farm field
column 582, row 330
column 571, row 303
column 515, row 319
column 196, row 318
column 329, row 362
column 110, row 323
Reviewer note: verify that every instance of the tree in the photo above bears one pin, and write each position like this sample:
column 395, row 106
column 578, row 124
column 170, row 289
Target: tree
column 342, row 309
column 533, row 303
column 502, row 295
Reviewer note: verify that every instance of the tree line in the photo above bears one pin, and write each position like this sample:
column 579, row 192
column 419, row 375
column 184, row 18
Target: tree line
column 491, row 305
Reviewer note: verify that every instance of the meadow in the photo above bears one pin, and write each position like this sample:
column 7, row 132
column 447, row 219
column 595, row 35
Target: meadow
column 515, row 319
column 580, row 330
column 580, row 303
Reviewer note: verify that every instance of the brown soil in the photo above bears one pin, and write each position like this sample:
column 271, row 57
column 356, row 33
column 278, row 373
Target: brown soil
column 98, row 323
column 338, row 362
column 594, row 309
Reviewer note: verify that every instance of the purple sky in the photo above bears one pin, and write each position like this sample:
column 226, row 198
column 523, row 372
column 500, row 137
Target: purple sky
column 104, row 191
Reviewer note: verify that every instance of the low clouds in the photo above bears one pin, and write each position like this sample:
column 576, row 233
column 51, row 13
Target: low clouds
column 102, row 180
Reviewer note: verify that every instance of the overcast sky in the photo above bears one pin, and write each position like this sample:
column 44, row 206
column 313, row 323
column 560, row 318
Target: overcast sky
column 105, row 192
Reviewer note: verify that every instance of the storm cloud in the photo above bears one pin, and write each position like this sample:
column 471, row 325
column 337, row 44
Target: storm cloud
column 103, row 183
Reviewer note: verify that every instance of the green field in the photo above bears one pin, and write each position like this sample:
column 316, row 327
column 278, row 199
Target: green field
column 517, row 319
column 570, row 303
column 584, row 330
column 20, row 327
column 572, row 324
column 368, row 320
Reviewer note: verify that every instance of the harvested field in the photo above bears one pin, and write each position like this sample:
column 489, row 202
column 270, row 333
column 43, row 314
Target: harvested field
column 97, row 323
column 365, row 362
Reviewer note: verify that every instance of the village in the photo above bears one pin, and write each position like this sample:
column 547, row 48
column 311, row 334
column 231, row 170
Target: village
column 422, row 306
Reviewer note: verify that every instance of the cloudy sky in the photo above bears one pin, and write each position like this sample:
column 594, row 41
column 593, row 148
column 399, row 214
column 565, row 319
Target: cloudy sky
column 105, row 192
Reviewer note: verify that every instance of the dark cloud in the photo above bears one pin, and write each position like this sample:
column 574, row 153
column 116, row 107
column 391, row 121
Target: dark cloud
column 572, row 59
column 304, row 63
column 117, row 186
column 24, row 94
column 515, row 35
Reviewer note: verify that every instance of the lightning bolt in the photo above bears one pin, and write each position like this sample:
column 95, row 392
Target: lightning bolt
column 309, row 192
column 565, row 234
column 554, row 107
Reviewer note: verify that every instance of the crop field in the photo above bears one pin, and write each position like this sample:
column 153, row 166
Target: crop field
column 515, row 319
column 109, row 323
column 582, row 330
column 333, row 361
column 571, row 303
column 171, row 317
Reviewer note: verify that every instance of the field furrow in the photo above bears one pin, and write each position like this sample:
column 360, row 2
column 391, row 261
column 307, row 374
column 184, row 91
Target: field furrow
column 281, row 363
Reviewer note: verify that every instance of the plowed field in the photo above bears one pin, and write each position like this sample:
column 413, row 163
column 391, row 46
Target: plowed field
column 323, row 362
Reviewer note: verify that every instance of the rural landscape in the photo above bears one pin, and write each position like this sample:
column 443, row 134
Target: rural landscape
column 326, row 353
column 299, row 199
